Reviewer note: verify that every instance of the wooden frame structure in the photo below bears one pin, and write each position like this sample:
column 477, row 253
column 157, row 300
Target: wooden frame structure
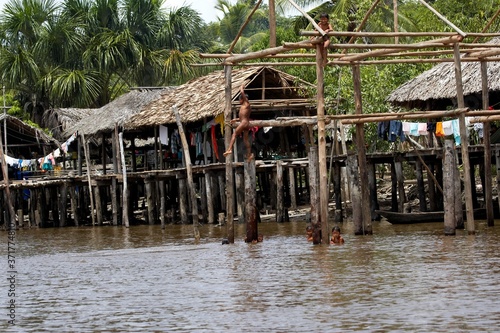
column 449, row 47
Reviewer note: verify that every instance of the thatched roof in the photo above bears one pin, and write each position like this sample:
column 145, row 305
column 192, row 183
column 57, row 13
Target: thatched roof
column 60, row 120
column 439, row 83
column 116, row 112
column 204, row 97
column 22, row 138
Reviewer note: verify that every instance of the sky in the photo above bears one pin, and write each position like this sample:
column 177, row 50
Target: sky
column 205, row 7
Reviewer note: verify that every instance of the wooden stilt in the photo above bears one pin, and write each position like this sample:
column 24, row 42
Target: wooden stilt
column 420, row 186
column 63, row 200
column 125, row 195
column 431, row 188
column 210, row 198
column 229, row 183
column 357, row 213
column 313, row 194
column 372, row 184
column 250, row 200
column 449, row 188
column 280, row 216
column 292, row 187
column 488, row 186
column 149, row 185
column 457, row 184
column 398, row 168
column 183, row 205
column 74, row 205
column 98, row 204
column 337, row 184
column 239, row 180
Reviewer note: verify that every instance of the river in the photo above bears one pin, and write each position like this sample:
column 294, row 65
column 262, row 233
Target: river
column 403, row 278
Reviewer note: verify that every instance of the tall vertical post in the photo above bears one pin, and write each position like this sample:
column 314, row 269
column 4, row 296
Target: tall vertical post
column 449, row 188
column 360, row 143
column 250, row 200
column 229, row 166
column 323, row 174
column 488, row 186
column 464, row 142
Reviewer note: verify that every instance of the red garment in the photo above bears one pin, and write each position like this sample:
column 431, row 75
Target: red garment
column 214, row 142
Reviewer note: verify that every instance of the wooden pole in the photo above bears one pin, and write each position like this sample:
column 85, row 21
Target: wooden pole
column 163, row 209
column 488, row 186
column 323, row 174
column 250, row 200
column 210, row 197
column 449, row 188
column 280, row 209
column 229, row 167
column 463, row 34
column 311, row 20
column 5, row 173
column 361, row 147
column 189, row 171
column 125, row 199
column 313, row 194
column 292, row 187
column 231, row 47
column 464, row 143
column 89, row 177
column 272, row 23
column 396, row 24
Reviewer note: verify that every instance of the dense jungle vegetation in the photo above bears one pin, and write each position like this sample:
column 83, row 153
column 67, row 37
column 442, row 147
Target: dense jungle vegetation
column 85, row 53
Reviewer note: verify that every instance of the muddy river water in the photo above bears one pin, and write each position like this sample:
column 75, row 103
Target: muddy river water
column 404, row 278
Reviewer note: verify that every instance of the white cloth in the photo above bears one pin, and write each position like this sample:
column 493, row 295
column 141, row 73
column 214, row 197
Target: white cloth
column 164, row 135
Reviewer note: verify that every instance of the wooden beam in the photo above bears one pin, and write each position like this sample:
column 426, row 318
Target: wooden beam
column 444, row 19
column 231, row 47
column 447, row 40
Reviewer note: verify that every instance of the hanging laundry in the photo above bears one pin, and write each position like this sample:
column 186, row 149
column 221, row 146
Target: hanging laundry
column 455, row 125
column 396, row 131
column 447, row 128
column 422, row 128
column 163, row 135
column 383, row 130
column 439, row 129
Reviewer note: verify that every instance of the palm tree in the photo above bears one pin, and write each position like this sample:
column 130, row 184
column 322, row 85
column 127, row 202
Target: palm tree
column 84, row 53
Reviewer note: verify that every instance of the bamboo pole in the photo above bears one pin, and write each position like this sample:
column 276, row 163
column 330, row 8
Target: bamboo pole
column 189, row 172
column 259, row 54
column 125, row 198
column 231, row 47
column 463, row 34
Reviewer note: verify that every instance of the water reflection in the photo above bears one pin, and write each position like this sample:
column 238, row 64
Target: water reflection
column 407, row 278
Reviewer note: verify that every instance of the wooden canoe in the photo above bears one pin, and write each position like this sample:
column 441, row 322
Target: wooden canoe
column 422, row 217
column 408, row 218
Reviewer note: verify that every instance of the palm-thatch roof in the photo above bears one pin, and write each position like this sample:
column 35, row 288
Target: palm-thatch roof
column 116, row 112
column 438, row 83
column 204, row 97
column 24, row 139
column 59, row 120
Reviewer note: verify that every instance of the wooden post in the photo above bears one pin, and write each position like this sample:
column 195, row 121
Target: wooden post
column 280, row 216
column 98, row 206
column 488, row 186
column 240, row 194
column 357, row 213
column 497, row 164
column 103, row 153
column 398, row 167
column 125, row 198
column 323, row 173
column 449, row 188
column 149, row 185
column 464, row 142
column 63, row 200
column 338, row 192
column 292, row 187
column 189, row 172
column 459, row 214
column 229, row 168
column 210, row 197
column 361, row 147
column 89, row 177
column 313, row 194
column 420, row 186
column 162, row 204
column 5, row 174
column 372, row 185
column 250, row 200
column 183, row 205
column 114, row 198
column 431, row 188
column 394, row 188
column 74, row 205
